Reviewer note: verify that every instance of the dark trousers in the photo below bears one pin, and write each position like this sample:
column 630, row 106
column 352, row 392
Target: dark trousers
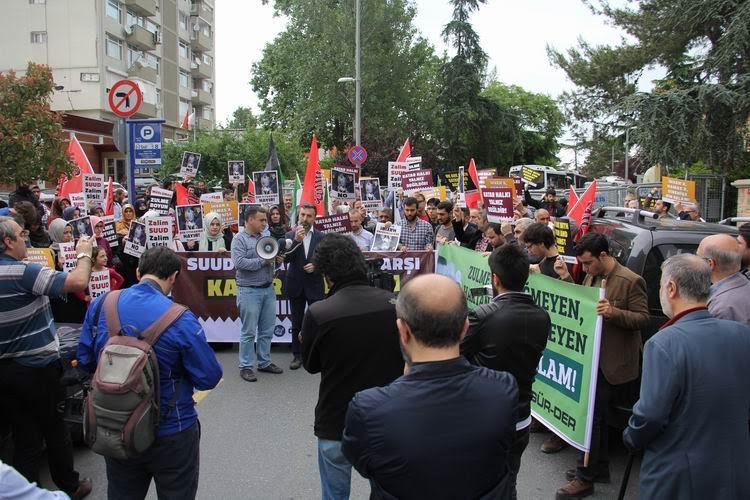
column 514, row 456
column 297, row 305
column 599, row 454
column 172, row 462
column 32, row 399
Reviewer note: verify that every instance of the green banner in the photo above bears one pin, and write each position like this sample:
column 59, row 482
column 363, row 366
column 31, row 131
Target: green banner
column 564, row 389
column 469, row 269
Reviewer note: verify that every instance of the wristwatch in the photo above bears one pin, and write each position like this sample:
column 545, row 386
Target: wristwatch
column 82, row 255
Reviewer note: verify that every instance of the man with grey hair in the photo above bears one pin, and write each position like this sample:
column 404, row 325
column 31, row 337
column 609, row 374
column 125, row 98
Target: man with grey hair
column 692, row 415
column 30, row 367
column 730, row 292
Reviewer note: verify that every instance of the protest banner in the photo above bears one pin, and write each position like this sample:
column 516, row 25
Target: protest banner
column 42, row 256
column 208, row 288
column 69, row 256
column 333, row 224
column 160, row 200
column 519, row 185
column 414, row 181
column 189, row 221
column 159, row 232
column 677, row 190
column 499, row 182
column 532, row 176
column 78, row 200
column 227, row 210
column 386, row 238
column 266, row 187
column 395, row 169
column 214, row 197
column 499, row 204
column 413, row 162
column 236, row 172
column 82, row 227
column 136, row 243
column 564, row 390
column 461, row 187
column 93, row 189
column 190, row 163
column 435, row 192
column 467, row 268
column 369, row 189
column 485, row 174
column 349, row 169
column 110, row 231
column 99, row 283
column 450, row 180
column 564, row 240
column 343, row 185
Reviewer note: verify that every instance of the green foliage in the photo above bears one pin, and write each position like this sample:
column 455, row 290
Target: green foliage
column 32, row 142
column 539, row 119
column 700, row 110
column 219, row 146
column 242, row 118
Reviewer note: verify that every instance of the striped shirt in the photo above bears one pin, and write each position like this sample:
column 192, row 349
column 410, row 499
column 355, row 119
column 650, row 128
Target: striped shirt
column 27, row 330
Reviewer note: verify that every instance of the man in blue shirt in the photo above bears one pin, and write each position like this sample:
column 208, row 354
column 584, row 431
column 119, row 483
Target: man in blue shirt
column 256, row 297
column 30, row 367
column 186, row 361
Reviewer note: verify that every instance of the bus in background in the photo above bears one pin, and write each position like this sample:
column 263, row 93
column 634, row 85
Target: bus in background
column 540, row 177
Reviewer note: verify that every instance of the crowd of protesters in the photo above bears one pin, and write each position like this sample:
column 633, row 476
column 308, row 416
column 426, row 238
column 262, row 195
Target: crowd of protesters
column 423, row 347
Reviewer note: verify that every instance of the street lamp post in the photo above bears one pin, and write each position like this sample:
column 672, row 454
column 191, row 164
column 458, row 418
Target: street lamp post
column 357, row 79
column 627, row 151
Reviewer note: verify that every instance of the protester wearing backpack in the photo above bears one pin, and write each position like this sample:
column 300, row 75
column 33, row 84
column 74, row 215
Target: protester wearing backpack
column 138, row 441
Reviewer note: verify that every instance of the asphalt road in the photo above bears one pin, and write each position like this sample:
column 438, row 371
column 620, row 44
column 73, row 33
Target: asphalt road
column 258, row 443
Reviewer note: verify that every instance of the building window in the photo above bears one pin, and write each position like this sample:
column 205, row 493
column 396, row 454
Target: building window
column 37, row 2
column 114, row 47
column 207, row 86
column 184, row 21
column 113, row 10
column 184, row 107
column 206, row 112
column 206, row 30
column 152, row 61
column 158, row 97
column 151, row 26
column 184, row 79
column 38, row 37
column 184, row 53
column 208, row 60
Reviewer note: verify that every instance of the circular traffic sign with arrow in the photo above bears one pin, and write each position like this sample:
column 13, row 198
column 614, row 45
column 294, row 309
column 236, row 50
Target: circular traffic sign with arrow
column 125, row 98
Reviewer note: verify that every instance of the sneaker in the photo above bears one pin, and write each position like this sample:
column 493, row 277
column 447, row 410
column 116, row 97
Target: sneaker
column 601, row 477
column 575, row 489
column 553, row 444
column 271, row 368
column 248, row 375
column 295, row 364
column 84, row 488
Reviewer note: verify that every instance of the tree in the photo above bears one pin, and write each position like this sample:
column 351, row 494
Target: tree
column 699, row 112
column 32, row 142
column 473, row 125
column 242, row 118
column 539, row 119
column 219, row 146
column 296, row 79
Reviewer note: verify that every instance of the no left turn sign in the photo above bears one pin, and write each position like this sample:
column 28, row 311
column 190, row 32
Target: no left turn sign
column 125, row 98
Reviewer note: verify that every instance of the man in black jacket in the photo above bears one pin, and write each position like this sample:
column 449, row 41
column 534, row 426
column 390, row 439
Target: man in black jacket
column 350, row 338
column 549, row 202
column 510, row 334
column 444, row 429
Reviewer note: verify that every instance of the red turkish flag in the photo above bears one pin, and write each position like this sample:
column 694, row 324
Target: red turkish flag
column 405, row 151
column 109, row 203
column 251, row 190
column 473, row 197
column 75, row 183
column 577, row 211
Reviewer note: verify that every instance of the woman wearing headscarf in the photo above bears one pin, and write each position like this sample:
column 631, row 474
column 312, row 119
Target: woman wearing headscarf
column 141, row 207
column 58, row 207
column 71, row 213
column 60, row 232
column 214, row 239
column 128, row 216
column 66, row 308
column 276, row 223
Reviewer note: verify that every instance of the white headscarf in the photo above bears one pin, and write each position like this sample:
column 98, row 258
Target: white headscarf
column 217, row 241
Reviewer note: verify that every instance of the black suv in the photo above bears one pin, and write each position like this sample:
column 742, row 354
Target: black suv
column 642, row 243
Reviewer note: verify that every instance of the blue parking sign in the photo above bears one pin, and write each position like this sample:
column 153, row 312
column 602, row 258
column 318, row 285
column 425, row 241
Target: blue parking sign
column 145, row 143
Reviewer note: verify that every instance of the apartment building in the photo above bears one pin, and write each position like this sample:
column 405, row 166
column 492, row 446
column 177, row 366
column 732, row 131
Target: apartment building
column 166, row 46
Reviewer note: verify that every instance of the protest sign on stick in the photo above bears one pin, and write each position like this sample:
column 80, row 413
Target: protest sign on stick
column 395, row 169
column 343, row 185
column 160, row 200
column 386, row 238
column 227, row 210
column 370, row 194
column 99, row 283
column 159, row 232
column 78, row 200
column 190, row 163
column 677, row 190
column 93, row 189
column 564, row 240
column 266, row 187
column 189, row 221
column 415, row 181
column 136, row 243
column 532, row 176
column 499, row 204
column 236, row 172
column 110, row 231
column 333, row 224
column 69, row 256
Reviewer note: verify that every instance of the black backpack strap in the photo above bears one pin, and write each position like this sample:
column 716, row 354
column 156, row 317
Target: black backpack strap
column 97, row 313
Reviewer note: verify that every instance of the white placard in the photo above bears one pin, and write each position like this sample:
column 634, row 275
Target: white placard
column 68, row 252
column 190, row 163
column 386, row 238
column 159, row 232
column 136, row 243
column 99, row 283
column 266, row 187
column 236, row 171
column 93, row 188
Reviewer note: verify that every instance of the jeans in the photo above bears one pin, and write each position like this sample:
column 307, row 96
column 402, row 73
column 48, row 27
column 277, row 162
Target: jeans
column 257, row 308
column 172, row 461
column 335, row 471
column 32, row 399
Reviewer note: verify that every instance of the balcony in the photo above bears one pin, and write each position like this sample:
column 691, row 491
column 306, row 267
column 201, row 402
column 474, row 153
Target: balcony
column 147, row 110
column 145, row 8
column 204, row 124
column 200, row 41
column 141, row 38
column 199, row 8
column 202, row 98
column 201, row 70
column 146, row 73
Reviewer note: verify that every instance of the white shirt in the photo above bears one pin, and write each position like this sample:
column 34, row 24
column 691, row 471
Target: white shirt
column 363, row 239
column 306, row 241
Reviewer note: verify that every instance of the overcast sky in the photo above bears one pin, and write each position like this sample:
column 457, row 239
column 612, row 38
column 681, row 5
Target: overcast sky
column 513, row 33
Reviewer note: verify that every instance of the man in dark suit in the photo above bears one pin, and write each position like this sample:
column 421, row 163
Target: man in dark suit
column 510, row 334
column 445, row 428
column 625, row 312
column 691, row 418
column 303, row 284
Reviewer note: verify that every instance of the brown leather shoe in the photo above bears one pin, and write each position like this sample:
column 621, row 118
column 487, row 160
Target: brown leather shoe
column 575, row 489
column 84, row 488
column 553, row 444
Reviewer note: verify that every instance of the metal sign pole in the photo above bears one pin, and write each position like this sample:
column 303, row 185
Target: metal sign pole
column 131, row 168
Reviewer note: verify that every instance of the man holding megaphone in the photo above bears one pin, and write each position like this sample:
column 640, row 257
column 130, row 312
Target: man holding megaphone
column 303, row 284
